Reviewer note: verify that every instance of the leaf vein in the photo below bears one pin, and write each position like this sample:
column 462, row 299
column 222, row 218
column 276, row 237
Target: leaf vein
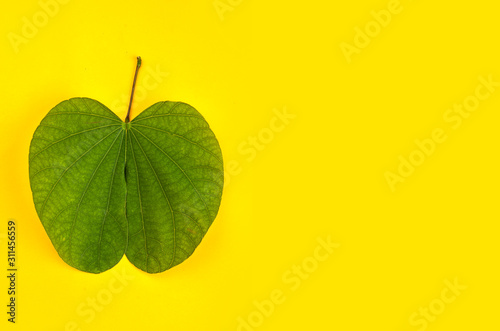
column 164, row 115
column 180, row 168
column 71, row 165
column 182, row 137
column 85, row 191
column 71, row 135
column 164, row 194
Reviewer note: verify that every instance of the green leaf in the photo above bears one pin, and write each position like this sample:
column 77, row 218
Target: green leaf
column 149, row 188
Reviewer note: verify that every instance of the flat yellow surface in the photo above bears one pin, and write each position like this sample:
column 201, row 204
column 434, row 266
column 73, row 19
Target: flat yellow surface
column 361, row 146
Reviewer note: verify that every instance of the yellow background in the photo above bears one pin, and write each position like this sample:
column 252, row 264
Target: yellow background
column 321, row 176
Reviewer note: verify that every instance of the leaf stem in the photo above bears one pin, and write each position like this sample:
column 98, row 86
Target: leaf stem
column 139, row 62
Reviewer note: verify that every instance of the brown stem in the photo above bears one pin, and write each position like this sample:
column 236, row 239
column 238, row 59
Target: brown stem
column 139, row 62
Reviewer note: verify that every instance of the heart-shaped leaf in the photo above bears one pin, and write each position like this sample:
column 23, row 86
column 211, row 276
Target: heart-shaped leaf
column 149, row 188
